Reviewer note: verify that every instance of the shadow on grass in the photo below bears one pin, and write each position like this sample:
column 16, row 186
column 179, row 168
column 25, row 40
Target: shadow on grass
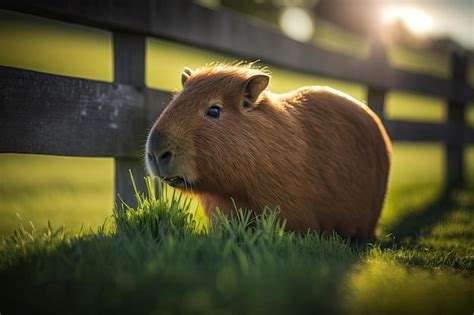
column 418, row 224
column 438, row 235
column 410, row 228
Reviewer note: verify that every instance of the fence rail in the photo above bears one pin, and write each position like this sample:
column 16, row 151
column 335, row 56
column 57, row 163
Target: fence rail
column 51, row 114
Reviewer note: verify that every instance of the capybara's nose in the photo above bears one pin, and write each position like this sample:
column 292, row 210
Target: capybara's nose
column 164, row 161
column 156, row 142
column 158, row 153
column 152, row 164
column 151, row 159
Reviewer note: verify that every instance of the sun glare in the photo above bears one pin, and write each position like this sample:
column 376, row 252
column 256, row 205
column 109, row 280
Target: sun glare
column 416, row 20
column 297, row 23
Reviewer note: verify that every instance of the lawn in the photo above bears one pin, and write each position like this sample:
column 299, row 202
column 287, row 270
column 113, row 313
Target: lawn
column 155, row 260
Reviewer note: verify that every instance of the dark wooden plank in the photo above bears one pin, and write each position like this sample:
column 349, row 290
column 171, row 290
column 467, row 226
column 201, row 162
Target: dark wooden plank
column 377, row 62
column 129, row 58
column 129, row 68
column 155, row 102
column 108, row 14
column 456, row 109
column 454, row 134
column 225, row 31
column 420, row 83
column 50, row 114
column 124, row 191
column 469, row 135
column 416, row 131
column 376, row 101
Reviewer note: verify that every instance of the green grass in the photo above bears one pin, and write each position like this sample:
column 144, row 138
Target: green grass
column 55, row 47
column 154, row 259
column 66, row 190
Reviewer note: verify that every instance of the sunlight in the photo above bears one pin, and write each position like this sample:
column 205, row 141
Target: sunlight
column 417, row 21
column 297, row 23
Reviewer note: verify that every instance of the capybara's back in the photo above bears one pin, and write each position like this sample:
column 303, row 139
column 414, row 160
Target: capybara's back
column 319, row 155
column 348, row 156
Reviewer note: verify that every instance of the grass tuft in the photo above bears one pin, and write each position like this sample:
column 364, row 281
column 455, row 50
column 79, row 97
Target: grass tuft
column 159, row 217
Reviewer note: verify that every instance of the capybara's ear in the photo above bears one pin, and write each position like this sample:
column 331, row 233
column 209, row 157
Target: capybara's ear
column 185, row 75
column 253, row 87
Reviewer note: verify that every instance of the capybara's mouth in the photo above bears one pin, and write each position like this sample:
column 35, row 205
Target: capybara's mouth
column 176, row 181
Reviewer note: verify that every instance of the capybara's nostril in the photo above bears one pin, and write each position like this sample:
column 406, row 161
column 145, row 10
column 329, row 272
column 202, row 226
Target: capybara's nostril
column 152, row 161
column 164, row 160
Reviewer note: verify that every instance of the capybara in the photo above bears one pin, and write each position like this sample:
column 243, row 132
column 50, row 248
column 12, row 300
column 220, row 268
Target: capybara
column 318, row 154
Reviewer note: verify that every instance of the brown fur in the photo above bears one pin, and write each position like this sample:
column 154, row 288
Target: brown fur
column 318, row 154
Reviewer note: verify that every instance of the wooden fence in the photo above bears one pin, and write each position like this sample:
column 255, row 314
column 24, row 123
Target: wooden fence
column 52, row 114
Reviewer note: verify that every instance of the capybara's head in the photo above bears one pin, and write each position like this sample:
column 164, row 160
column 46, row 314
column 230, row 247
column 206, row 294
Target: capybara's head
column 208, row 137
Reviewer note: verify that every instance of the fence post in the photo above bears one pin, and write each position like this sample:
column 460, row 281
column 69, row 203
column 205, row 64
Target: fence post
column 129, row 68
column 454, row 168
column 377, row 62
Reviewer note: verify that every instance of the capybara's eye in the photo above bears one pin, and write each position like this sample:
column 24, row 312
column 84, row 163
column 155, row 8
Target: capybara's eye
column 214, row 112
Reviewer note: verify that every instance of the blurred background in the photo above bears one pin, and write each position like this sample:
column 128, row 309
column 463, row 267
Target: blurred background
column 419, row 36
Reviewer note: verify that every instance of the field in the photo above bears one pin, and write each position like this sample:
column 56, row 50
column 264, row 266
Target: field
column 155, row 259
